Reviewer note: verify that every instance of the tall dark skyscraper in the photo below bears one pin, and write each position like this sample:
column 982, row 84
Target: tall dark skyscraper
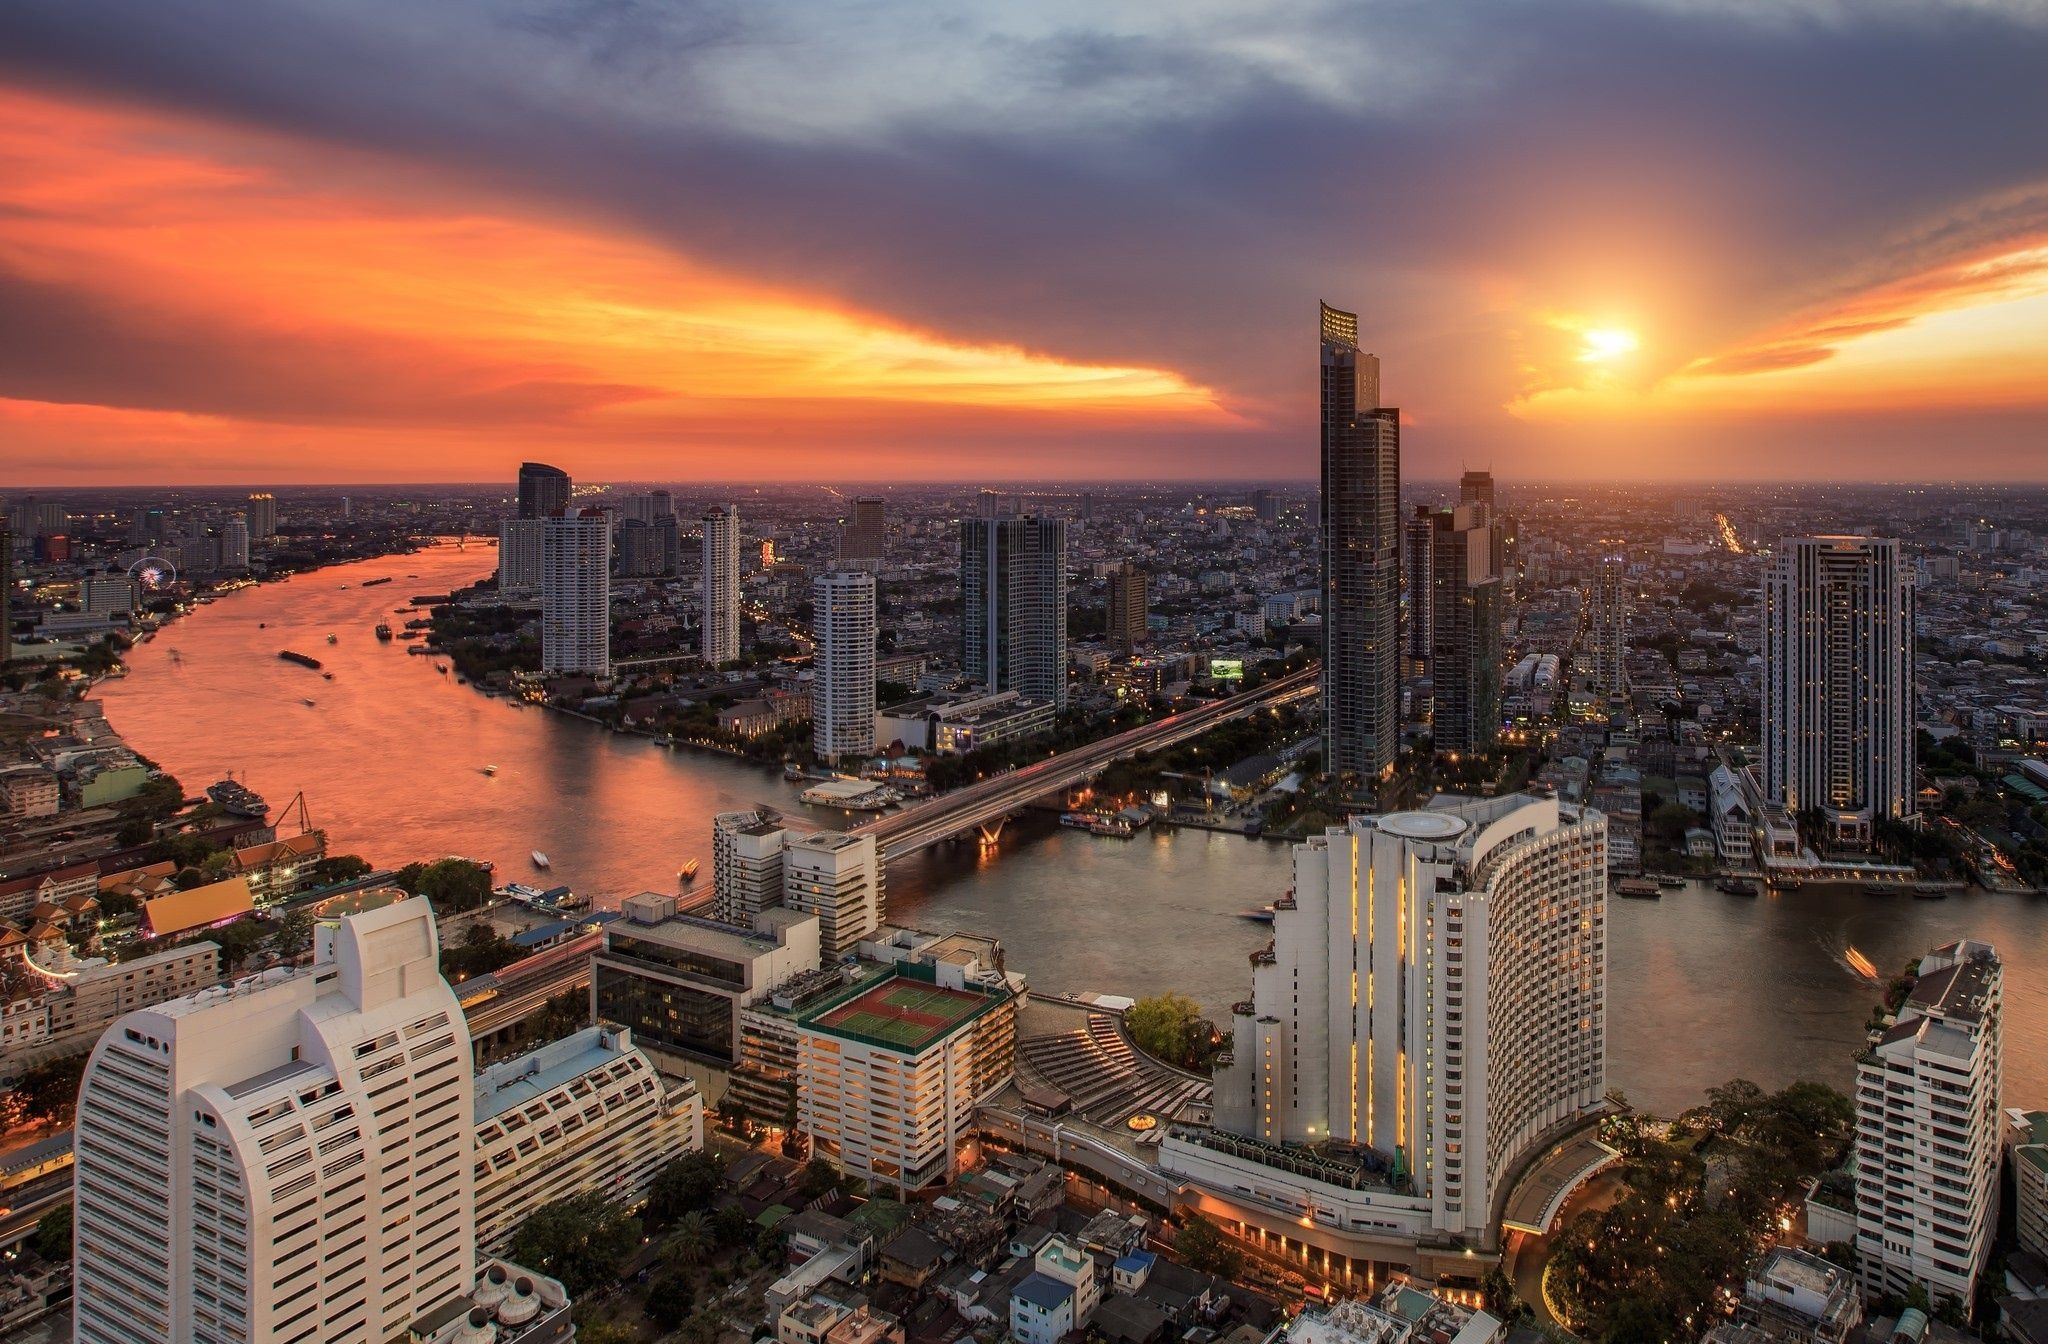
column 1361, row 452
column 1464, row 657
column 1418, row 543
column 1129, row 606
column 1013, row 593
column 543, row 490
column 1476, row 487
column 863, row 537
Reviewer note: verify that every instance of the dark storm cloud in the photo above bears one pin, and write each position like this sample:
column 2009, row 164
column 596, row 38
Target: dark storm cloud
column 1173, row 196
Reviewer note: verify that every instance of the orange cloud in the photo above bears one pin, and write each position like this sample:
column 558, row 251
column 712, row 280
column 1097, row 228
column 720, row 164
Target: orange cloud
column 191, row 286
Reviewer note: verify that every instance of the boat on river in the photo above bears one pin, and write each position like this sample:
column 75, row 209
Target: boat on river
column 1670, row 881
column 1638, row 888
column 540, row 860
column 490, row 769
column 687, row 873
column 1736, row 886
column 1262, row 915
column 302, row 659
column 1929, row 891
column 238, row 799
column 333, row 640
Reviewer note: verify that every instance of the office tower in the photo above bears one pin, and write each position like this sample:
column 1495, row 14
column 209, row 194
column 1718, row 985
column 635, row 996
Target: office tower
column 284, row 1159
column 746, row 864
column 843, row 665
column 587, row 1112
column 1464, row 657
column 1418, row 560
column 1013, row 590
column 863, row 538
column 663, row 504
column 576, row 593
column 837, row 878
column 262, row 516
column 1608, row 601
column 1435, row 992
column 6, row 594
column 641, row 549
column 721, row 643
column 543, row 490
column 519, row 555
column 1928, row 1129
column 1361, row 460
column 234, row 543
column 1130, row 594
column 636, row 508
column 1838, row 683
column 51, row 519
column 347, row 507
column 147, row 528
column 1265, row 505
column 1476, row 487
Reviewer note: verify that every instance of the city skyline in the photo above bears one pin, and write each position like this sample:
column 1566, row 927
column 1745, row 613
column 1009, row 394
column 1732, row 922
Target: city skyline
column 1641, row 240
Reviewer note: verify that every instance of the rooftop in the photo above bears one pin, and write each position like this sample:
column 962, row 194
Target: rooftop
column 1044, row 1291
column 900, row 1012
column 528, row 1077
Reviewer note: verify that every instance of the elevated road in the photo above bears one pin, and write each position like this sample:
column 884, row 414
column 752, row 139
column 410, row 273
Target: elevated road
column 497, row 1001
column 989, row 800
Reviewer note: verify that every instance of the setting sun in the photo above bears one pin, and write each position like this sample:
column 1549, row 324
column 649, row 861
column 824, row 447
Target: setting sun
column 1605, row 343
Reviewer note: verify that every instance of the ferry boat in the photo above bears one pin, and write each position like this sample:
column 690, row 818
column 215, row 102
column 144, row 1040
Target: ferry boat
column 306, row 701
column 540, row 860
column 384, row 631
column 1638, row 888
column 490, row 769
column 551, row 901
column 1262, row 915
column 1670, row 882
column 372, row 583
column 1736, row 886
column 1080, row 821
column 332, row 640
column 302, row 659
column 1929, row 891
column 688, row 872
column 238, row 799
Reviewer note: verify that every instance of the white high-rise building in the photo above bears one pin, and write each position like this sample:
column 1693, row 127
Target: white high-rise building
column 576, row 594
column 519, row 555
column 284, row 1159
column 234, row 543
column 262, row 515
column 838, row 878
column 721, row 585
column 1609, row 600
column 1434, row 1002
column 1928, row 1130
column 1838, row 683
column 843, row 669
column 746, row 865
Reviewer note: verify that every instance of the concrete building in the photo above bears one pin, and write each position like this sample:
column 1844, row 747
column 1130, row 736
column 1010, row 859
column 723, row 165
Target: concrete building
column 1403, row 1312
column 588, row 1112
column 1418, row 569
column 261, row 513
column 678, row 981
column 746, row 864
column 283, row 1159
column 1610, row 599
column 1794, row 1297
column 1013, row 591
column 506, row 1304
column 79, row 999
column 576, row 594
column 957, row 723
column 1130, row 607
column 29, row 790
column 863, row 537
column 1433, row 1004
column 519, row 555
column 107, row 594
column 234, row 543
column 843, row 665
column 721, row 590
column 1928, row 1130
column 1838, row 731
column 1361, row 478
column 2026, row 1144
column 837, row 878
column 1058, row 1296
column 543, row 490
column 1465, row 612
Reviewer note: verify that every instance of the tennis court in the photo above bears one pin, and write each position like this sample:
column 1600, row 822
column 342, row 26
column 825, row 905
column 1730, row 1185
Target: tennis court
column 903, row 1013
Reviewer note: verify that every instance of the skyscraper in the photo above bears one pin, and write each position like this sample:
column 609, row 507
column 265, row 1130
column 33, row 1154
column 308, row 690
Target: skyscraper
column 1464, row 659
column 6, row 594
column 262, row 516
column 1361, row 461
column 1608, row 602
column 863, row 538
column 519, row 554
column 1435, row 993
column 1838, row 683
column 721, row 596
column 1476, row 487
column 543, row 490
column 287, row 1158
column 1928, row 1128
column 1265, row 505
column 843, row 667
column 1130, row 592
column 234, row 543
column 576, row 593
column 1418, row 552
column 1013, row 589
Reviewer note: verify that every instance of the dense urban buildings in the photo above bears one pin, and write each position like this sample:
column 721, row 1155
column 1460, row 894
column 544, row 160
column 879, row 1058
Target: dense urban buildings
column 843, row 618
column 575, row 593
column 543, row 490
column 1464, row 620
column 284, row 1159
column 721, row 586
column 1838, row 700
column 1013, row 592
column 1929, row 1130
column 1434, row 1004
column 1361, row 550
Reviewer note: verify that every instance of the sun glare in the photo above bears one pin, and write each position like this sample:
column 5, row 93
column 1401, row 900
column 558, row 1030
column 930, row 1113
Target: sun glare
column 1605, row 343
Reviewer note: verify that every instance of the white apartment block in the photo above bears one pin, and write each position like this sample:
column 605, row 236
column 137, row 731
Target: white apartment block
column 838, row 878
column 284, row 1159
column 1928, row 1130
column 721, row 642
column 82, row 997
column 576, row 594
column 588, row 1112
column 1609, row 601
column 2027, row 1142
column 746, row 864
column 519, row 555
column 843, row 665
column 1434, row 995
column 1838, row 733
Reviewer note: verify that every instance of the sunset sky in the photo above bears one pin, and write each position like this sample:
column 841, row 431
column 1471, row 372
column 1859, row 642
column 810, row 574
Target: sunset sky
column 384, row 240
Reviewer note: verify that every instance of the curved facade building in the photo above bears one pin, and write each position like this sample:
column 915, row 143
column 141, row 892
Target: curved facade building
column 1430, row 1014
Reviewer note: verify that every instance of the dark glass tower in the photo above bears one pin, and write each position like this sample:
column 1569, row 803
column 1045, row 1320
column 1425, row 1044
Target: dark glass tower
column 543, row 490
column 1361, row 452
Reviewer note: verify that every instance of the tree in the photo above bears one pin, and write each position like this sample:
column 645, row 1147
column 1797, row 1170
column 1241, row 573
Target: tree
column 340, row 868
column 820, row 1178
column 53, row 1234
column 454, row 884
column 685, row 1185
column 1164, row 1025
column 583, row 1240
column 691, row 1240
column 1201, row 1246
column 49, row 1091
column 238, row 941
column 669, row 1299
column 292, row 936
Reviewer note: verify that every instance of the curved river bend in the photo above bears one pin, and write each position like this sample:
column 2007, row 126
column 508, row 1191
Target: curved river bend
column 390, row 757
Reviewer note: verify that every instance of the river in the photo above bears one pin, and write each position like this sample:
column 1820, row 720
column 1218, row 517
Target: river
column 1702, row 987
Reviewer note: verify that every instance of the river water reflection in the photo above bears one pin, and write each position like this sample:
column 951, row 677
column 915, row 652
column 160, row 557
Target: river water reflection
column 390, row 758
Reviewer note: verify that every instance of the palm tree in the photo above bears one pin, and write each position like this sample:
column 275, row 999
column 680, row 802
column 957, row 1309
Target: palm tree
column 691, row 1240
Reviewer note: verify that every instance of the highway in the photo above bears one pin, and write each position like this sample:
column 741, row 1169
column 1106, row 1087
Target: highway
column 913, row 828
column 494, row 1002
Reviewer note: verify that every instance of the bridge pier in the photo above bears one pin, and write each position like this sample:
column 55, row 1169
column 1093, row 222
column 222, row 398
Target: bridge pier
column 991, row 832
